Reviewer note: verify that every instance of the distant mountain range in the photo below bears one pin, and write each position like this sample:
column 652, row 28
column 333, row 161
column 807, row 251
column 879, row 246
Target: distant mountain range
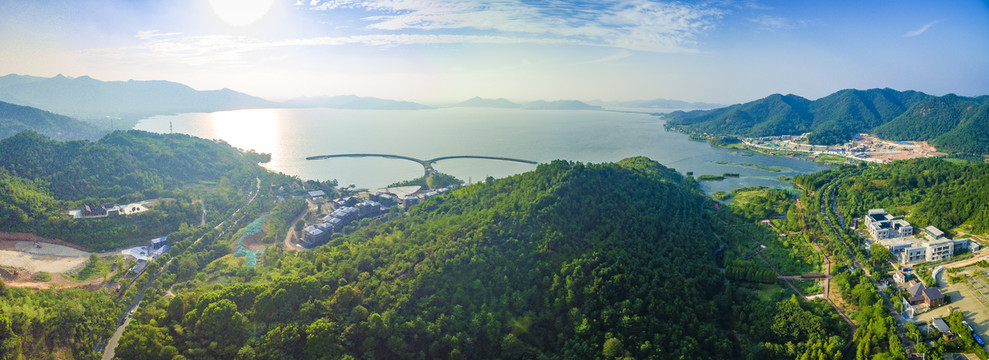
column 952, row 123
column 560, row 105
column 534, row 105
column 17, row 118
column 85, row 97
column 658, row 104
column 487, row 103
column 355, row 102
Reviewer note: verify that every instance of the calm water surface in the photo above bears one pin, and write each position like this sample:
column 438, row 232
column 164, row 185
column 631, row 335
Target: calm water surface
column 291, row 135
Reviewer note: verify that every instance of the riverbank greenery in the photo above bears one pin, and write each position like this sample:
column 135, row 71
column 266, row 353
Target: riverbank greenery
column 756, row 166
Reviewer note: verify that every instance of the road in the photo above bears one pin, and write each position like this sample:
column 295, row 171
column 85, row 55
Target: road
column 289, row 234
column 110, row 350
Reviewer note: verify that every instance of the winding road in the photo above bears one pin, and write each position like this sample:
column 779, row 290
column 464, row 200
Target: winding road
column 110, row 350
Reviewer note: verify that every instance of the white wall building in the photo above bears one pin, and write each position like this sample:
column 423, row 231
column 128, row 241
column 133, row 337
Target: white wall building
column 882, row 225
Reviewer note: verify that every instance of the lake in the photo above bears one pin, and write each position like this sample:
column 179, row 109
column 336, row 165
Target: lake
column 291, row 135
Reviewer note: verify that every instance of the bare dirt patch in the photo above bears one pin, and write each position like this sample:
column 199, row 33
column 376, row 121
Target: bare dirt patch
column 35, row 257
column 6, row 236
column 253, row 242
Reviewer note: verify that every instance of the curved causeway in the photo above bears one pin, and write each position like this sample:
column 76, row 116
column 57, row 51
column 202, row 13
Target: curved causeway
column 427, row 165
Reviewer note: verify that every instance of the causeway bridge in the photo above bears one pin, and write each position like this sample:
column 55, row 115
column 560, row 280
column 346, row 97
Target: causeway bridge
column 427, row 165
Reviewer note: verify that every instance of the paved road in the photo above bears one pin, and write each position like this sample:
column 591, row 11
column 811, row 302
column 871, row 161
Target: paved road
column 110, row 350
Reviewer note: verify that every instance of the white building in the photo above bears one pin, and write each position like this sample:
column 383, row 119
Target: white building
column 882, row 225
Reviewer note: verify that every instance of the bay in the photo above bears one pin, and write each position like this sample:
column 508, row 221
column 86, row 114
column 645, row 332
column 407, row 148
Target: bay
column 291, row 135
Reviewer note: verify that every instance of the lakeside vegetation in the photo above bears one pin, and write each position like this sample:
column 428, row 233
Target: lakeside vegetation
column 438, row 180
column 756, row 166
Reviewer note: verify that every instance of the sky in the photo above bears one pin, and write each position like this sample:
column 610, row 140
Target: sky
column 437, row 51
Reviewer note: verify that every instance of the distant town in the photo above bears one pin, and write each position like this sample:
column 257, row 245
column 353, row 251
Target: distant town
column 862, row 147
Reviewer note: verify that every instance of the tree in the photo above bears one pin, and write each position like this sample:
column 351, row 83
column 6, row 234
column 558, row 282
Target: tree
column 613, row 348
column 299, row 225
column 879, row 253
column 141, row 342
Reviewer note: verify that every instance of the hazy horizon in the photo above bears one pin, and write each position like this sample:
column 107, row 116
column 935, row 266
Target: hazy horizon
column 442, row 52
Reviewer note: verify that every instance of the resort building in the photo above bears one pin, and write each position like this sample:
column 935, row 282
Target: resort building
column 882, row 225
column 912, row 250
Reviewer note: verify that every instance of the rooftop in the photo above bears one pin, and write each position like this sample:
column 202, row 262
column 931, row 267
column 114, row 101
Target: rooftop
column 940, row 325
column 933, row 294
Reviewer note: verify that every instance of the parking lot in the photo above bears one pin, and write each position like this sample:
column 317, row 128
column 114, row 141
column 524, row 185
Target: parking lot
column 971, row 297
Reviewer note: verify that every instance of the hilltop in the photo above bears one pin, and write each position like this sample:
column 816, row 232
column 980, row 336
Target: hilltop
column 952, row 123
column 16, row 118
column 41, row 178
column 568, row 261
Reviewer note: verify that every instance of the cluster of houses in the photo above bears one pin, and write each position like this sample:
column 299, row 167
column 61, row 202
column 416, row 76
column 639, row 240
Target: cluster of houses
column 350, row 209
column 897, row 235
column 107, row 210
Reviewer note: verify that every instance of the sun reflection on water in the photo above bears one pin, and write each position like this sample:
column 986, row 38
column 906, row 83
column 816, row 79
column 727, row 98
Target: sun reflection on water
column 255, row 129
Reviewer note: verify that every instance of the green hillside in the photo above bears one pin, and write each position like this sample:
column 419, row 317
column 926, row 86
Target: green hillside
column 16, row 118
column 40, row 179
column 952, row 122
column 891, row 114
column 932, row 191
column 570, row 261
column 774, row 115
column 121, row 163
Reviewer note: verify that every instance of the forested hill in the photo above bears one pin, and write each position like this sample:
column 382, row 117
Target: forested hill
column 950, row 122
column 121, row 163
column 570, row 261
column 40, row 179
column 16, row 118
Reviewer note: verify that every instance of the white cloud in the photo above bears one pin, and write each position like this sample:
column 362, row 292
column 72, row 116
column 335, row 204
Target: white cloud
column 774, row 23
column 922, row 29
column 617, row 56
column 227, row 50
column 150, row 34
column 630, row 24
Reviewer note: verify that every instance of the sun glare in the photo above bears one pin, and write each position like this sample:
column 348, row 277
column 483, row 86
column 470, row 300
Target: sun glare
column 240, row 12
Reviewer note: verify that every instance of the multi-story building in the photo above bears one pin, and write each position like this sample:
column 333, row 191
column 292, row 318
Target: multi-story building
column 882, row 225
column 933, row 233
column 939, row 250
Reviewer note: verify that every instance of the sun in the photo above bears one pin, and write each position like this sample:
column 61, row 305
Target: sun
column 240, row 12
